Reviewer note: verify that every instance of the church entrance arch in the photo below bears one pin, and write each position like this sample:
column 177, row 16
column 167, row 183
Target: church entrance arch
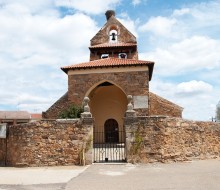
column 108, row 105
column 107, row 101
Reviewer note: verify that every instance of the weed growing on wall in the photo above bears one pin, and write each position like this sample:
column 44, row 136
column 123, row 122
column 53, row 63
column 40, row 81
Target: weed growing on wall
column 72, row 111
column 87, row 145
column 138, row 140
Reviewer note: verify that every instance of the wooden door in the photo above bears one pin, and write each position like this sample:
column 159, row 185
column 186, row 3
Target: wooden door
column 111, row 131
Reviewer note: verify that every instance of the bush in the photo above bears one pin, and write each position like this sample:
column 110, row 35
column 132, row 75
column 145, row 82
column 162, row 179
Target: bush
column 72, row 111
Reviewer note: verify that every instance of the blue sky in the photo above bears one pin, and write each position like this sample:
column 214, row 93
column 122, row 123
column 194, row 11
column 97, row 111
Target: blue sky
column 39, row 37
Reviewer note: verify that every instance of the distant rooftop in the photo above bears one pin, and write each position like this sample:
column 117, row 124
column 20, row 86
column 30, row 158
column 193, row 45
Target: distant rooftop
column 19, row 115
column 14, row 115
column 36, row 116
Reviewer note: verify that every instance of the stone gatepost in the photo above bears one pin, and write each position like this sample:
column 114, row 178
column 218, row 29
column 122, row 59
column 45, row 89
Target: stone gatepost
column 87, row 121
column 86, row 116
column 130, row 113
column 129, row 120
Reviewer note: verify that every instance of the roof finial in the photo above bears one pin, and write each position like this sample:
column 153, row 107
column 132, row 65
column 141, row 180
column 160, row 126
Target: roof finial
column 109, row 13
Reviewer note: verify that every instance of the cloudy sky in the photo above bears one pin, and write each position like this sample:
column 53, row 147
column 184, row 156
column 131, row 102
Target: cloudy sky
column 38, row 37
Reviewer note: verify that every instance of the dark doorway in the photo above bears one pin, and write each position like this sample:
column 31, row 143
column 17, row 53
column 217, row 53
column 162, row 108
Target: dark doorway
column 111, row 131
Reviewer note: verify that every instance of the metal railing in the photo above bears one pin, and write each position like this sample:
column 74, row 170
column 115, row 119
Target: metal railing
column 109, row 146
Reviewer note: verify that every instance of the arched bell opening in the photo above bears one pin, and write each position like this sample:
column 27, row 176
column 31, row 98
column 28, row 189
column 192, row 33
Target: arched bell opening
column 113, row 36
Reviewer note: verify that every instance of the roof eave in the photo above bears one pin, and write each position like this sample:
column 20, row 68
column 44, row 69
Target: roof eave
column 151, row 66
column 109, row 47
column 65, row 70
column 151, row 69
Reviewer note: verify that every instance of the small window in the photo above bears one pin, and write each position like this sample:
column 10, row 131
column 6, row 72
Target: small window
column 104, row 56
column 122, row 55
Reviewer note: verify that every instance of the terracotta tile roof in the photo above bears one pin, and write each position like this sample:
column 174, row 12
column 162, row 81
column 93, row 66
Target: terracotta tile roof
column 119, row 44
column 110, row 62
column 36, row 116
column 14, row 115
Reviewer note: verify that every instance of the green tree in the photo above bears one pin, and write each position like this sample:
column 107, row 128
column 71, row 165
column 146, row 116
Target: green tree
column 72, row 111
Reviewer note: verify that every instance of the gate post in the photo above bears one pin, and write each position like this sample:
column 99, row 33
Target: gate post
column 86, row 154
column 129, row 120
column 3, row 144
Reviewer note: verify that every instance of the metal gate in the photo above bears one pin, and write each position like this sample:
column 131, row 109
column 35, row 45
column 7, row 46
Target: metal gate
column 109, row 146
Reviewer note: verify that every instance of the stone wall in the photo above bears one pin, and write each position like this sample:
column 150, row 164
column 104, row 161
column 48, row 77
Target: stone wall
column 96, row 54
column 148, row 139
column 2, row 152
column 133, row 83
column 102, row 35
column 54, row 111
column 164, row 139
column 157, row 104
column 124, row 36
column 50, row 143
column 161, row 106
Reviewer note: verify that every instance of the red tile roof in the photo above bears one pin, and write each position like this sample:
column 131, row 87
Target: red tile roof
column 119, row 44
column 36, row 116
column 14, row 115
column 110, row 62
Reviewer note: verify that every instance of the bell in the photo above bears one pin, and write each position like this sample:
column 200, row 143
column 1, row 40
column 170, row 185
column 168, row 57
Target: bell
column 113, row 37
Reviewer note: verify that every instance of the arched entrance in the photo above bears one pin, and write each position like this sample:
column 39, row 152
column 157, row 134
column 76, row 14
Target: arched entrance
column 111, row 131
column 107, row 101
column 108, row 104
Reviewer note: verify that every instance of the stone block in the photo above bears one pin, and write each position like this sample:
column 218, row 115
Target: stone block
column 87, row 121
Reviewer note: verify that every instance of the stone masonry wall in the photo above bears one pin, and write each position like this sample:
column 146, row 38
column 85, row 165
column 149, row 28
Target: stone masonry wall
column 102, row 35
column 133, row 83
column 54, row 111
column 2, row 152
column 161, row 106
column 49, row 143
column 148, row 139
column 95, row 56
column 158, row 139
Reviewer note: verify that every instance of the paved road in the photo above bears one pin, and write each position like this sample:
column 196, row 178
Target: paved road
column 196, row 175
column 38, row 178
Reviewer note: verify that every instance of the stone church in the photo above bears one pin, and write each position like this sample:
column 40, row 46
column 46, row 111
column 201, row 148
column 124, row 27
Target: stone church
column 122, row 120
column 112, row 73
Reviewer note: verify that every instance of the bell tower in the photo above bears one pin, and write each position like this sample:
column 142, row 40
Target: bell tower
column 113, row 40
column 112, row 73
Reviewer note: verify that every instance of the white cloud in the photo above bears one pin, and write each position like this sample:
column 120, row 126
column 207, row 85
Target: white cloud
column 198, row 98
column 28, row 98
column 44, row 7
column 129, row 24
column 181, row 12
column 195, row 53
column 159, row 25
column 185, row 46
column 196, row 58
column 32, row 49
column 206, row 13
column 196, row 19
column 91, row 7
column 193, row 87
column 136, row 2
